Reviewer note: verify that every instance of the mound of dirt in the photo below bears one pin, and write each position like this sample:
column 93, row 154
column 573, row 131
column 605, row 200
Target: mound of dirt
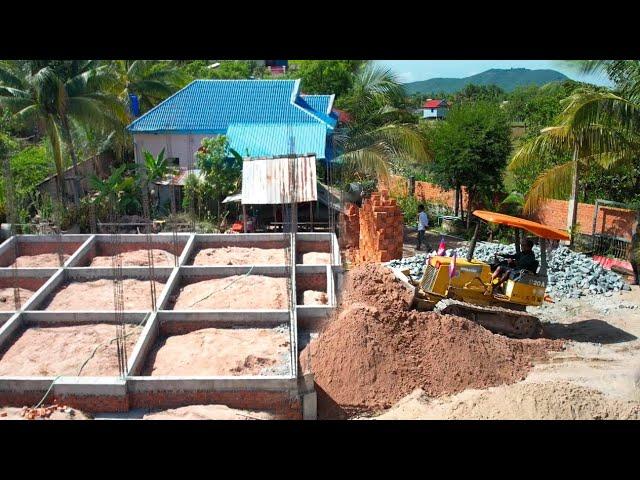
column 207, row 412
column 7, row 299
column 522, row 401
column 137, row 258
column 376, row 351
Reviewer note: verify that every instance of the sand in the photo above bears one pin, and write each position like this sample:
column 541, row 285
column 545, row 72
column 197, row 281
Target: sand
column 316, row 258
column 52, row 351
column 98, row 295
column 314, row 297
column 522, row 401
column 137, row 258
column 235, row 292
column 222, row 351
column 207, row 412
column 42, row 260
column 240, row 256
column 7, row 303
column 375, row 351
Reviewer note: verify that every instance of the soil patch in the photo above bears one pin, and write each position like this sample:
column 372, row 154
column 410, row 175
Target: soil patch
column 207, row 412
column 376, row 351
column 314, row 297
column 316, row 258
column 52, row 351
column 43, row 260
column 98, row 295
column 7, row 300
column 137, row 258
column 240, row 256
column 245, row 292
column 222, row 351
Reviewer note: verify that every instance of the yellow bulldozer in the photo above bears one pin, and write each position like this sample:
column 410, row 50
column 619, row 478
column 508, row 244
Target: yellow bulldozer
column 469, row 291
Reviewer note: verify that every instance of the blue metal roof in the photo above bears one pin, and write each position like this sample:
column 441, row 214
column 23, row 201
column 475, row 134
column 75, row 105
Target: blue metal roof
column 211, row 106
column 273, row 139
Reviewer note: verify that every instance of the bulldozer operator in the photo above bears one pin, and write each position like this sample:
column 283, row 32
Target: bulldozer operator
column 524, row 260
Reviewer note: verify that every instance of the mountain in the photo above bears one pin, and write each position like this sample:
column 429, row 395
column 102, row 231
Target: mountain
column 507, row 79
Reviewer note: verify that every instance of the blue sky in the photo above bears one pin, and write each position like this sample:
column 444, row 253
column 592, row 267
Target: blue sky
column 414, row 70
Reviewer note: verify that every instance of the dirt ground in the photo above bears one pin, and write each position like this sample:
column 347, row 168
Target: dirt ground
column 240, row 256
column 98, row 295
column 137, row 258
column 43, row 260
column 222, row 351
column 596, row 376
column 316, row 258
column 207, row 412
column 7, row 300
column 53, row 351
column 245, row 292
column 14, row 413
column 432, row 239
column 314, row 297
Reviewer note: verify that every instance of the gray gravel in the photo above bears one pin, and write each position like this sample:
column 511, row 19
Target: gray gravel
column 570, row 274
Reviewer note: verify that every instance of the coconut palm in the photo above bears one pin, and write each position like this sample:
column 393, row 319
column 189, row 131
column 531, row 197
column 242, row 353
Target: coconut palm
column 151, row 81
column 596, row 127
column 378, row 134
column 30, row 93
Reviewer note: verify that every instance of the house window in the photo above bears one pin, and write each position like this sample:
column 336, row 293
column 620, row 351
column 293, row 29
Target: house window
column 173, row 161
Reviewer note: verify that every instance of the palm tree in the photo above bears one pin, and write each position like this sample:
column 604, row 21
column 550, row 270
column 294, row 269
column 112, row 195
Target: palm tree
column 379, row 134
column 29, row 93
column 151, row 81
column 596, row 127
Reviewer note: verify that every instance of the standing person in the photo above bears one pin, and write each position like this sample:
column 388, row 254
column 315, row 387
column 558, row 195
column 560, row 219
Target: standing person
column 635, row 254
column 423, row 223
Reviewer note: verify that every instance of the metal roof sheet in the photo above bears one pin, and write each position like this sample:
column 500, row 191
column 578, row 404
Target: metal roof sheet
column 267, row 181
column 210, row 106
column 270, row 140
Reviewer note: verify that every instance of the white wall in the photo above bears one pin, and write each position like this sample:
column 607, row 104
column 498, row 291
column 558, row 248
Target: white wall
column 181, row 146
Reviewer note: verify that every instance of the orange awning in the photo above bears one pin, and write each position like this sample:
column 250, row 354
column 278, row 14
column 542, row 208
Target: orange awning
column 533, row 227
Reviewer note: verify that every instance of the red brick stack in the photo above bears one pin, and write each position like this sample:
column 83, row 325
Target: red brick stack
column 381, row 229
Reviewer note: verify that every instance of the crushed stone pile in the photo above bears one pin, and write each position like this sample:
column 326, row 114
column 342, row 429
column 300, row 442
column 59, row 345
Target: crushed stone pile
column 571, row 274
column 376, row 351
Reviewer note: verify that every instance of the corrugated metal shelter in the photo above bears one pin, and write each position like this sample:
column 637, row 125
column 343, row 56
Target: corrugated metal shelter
column 268, row 181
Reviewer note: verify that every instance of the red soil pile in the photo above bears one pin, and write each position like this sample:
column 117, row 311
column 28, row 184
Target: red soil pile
column 376, row 351
column 42, row 260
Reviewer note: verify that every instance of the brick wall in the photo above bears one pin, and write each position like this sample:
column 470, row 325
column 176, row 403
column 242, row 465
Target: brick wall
column 618, row 222
column 428, row 192
column 381, row 229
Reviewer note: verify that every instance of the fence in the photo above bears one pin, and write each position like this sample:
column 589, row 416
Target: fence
column 609, row 235
column 98, row 165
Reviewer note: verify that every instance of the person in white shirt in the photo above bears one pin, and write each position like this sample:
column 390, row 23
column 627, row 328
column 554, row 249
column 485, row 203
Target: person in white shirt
column 423, row 223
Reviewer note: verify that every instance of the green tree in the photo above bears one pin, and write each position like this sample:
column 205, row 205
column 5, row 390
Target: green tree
column 221, row 169
column 29, row 94
column 471, row 149
column 228, row 69
column 476, row 93
column 151, row 80
column 382, row 134
column 55, row 95
column 326, row 76
column 597, row 128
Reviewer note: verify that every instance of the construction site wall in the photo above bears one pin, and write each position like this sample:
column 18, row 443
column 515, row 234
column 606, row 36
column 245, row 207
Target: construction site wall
column 617, row 222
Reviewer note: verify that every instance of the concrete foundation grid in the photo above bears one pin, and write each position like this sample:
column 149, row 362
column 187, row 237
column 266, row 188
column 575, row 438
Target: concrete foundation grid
column 289, row 395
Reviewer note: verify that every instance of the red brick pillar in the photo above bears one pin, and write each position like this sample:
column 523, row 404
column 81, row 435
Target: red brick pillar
column 381, row 229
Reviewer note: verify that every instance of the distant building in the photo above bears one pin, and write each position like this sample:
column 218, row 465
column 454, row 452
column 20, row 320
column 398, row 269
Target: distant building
column 435, row 109
column 275, row 67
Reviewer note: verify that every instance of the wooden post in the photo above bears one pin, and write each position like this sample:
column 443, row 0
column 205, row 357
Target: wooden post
column 311, row 214
column 244, row 218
